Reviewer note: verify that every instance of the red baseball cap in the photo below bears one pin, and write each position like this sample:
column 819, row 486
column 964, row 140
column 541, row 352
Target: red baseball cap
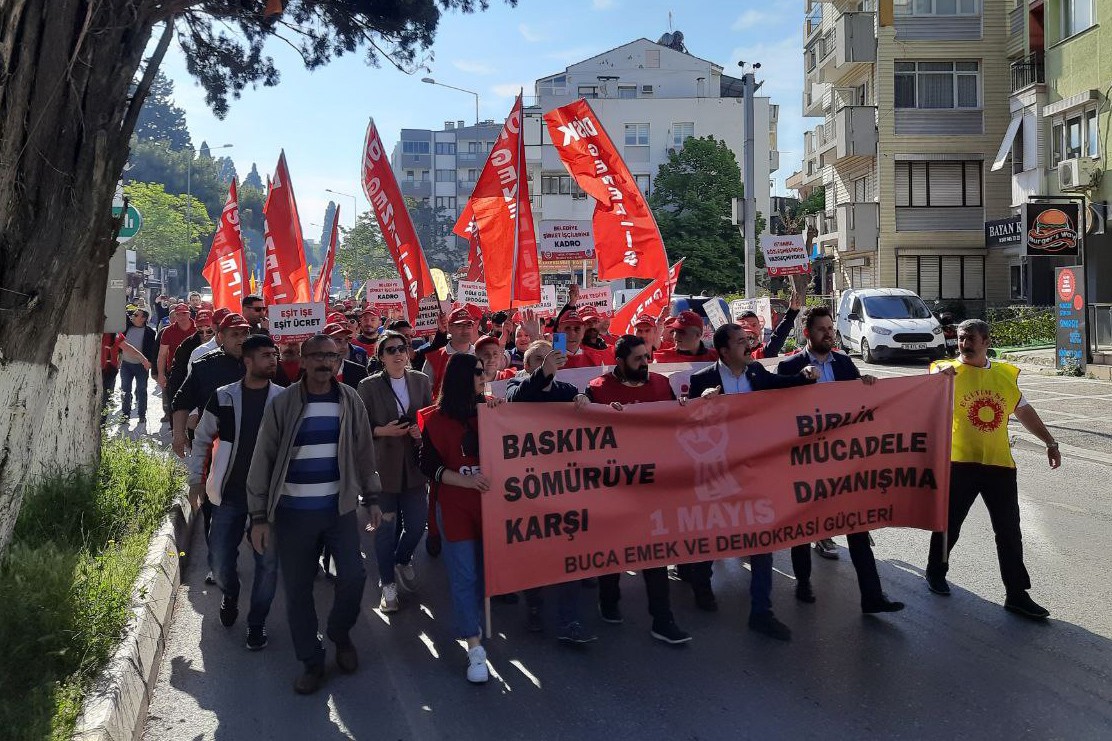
column 233, row 321
column 644, row 320
column 204, row 316
column 348, row 303
column 488, row 340
column 589, row 314
column 686, row 319
column 336, row 316
column 179, row 308
column 461, row 316
column 219, row 314
column 570, row 317
column 371, row 311
column 333, row 329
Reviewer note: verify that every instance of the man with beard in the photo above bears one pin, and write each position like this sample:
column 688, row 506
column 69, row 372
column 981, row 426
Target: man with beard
column 631, row 382
column 369, row 323
column 689, row 348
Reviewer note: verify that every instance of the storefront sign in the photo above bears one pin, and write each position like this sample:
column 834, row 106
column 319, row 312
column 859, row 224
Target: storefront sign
column 1051, row 229
column 1069, row 297
column 1004, row 232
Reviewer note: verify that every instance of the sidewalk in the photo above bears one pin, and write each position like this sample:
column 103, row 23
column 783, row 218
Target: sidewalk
column 1042, row 361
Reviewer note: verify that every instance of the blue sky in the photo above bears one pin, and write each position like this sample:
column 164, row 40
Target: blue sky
column 320, row 117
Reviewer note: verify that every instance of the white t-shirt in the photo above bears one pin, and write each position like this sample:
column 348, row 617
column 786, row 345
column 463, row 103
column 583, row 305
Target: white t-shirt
column 401, row 393
column 201, row 349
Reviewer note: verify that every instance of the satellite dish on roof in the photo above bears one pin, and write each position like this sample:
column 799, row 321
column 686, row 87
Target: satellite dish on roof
column 677, row 41
column 665, row 40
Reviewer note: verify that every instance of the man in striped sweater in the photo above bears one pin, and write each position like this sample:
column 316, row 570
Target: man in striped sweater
column 313, row 460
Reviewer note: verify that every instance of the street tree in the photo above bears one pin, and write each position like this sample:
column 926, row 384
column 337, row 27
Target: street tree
column 76, row 74
column 173, row 232
column 160, row 119
column 434, row 231
column 363, row 252
column 691, row 199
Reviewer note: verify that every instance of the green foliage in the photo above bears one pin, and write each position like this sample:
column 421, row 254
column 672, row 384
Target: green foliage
column 1022, row 326
column 156, row 162
column 253, row 179
column 251, row 201
column 363, row 253
column 814, row 203
column 691, row 201
column 174, row 227
column 160, row 120
column 66, row 581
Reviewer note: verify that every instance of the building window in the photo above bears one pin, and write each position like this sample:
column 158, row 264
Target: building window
column 445, row 147
column 588, row 91
column 938, row 184
column 409, row 175
column 474, row 147
column 553, row 86
column 472, row 175
column 935, row 277
column 1018, row 281
column 1017, row 150
column 627, row 91
column 652, row 58
column 412, row 147
column 1077, row 135
column 424, row 176
column 637, row 135
column 937, row 7
column 681, row 132
column 1091, row 132
column 646, row 91
column 561, row 185
column 445, row 176
column 933, row 85
column 445, row 201
column 1077, row 15
column 643, row 183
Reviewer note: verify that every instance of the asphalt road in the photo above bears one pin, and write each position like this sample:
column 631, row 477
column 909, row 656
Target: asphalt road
column 943, row 668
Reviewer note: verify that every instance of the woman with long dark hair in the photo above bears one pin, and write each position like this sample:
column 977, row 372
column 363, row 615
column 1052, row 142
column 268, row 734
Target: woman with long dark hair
column 450, row 458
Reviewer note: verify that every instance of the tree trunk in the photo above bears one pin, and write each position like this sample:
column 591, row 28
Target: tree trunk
column 66, row 116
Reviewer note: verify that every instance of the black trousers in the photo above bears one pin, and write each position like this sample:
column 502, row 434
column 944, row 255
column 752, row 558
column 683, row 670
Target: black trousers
column 656, row 589
column 999, row 489
column 864, row 563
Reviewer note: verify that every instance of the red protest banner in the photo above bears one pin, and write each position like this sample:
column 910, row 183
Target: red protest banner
column 381, row 188
column 226, row 267
column 627, row 241
column 286, row 278
column 324, row 280
column 581, row 493
column 653, row 299
column 467, row 228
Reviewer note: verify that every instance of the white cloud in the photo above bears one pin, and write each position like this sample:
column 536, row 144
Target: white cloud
column 572, row 54
column 510, row 89
column 774, row 14
column 749, row 19
column 602, row 4
column 472, row 68
column 529, row 34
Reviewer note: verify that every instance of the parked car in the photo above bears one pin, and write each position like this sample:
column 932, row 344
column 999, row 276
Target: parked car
column 886, row 323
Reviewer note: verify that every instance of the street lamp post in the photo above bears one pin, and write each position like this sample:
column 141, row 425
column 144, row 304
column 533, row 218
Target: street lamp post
column 189, row 211
column 431, row 81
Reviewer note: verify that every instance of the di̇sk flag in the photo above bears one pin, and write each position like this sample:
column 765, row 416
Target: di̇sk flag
column 285, row 275
column 653, row 299
column 381, row 188
column 467, row 228
column 504, row 221
column 324, row 280
column 226, row 268
column 627, row 241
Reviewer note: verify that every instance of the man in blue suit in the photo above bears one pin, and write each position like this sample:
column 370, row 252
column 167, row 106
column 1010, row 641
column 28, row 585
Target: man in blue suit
column 818, row 328
column 737, row 373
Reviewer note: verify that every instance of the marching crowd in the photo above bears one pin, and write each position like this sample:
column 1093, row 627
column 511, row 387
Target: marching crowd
column 285, row 442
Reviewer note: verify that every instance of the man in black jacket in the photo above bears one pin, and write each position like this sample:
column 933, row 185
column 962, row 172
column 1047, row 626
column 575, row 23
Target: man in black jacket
column 137, row 369
column 818, row 328
column 737, row 373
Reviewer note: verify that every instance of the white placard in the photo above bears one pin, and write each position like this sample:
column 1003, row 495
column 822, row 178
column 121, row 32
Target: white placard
column 295, row 322
column 715, row 314
column 472, row 292
column 598, row 297
column 387, row 296
column 762, row 307
column 785, row 254
column 567, row 240
column 428, row 312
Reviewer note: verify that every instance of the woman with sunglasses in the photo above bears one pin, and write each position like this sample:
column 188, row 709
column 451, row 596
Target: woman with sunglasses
column 450, row 458
column 393, row 397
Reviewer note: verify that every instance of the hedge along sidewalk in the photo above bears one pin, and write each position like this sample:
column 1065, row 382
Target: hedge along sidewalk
column 78, row 575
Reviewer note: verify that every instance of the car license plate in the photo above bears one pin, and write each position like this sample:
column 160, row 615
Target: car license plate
column 915, row 346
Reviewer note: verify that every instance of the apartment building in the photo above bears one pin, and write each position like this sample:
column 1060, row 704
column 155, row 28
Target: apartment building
column 912, row 95
column 1061, row 77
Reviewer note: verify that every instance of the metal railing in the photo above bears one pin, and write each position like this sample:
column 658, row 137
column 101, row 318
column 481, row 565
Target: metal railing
column 1028, row 71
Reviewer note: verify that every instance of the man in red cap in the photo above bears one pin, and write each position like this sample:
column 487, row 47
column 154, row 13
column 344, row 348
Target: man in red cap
column 492, row 355
column 180, row 328
column 645, row 327
column 369, row 323
column 350, row 372
column 689, row 342
column 461, row 325
column 209, row 344
column 570, row 324
column 179, row 365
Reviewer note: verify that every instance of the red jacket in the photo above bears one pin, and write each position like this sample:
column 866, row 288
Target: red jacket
column 442, row 449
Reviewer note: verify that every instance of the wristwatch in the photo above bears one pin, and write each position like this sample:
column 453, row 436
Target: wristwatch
column 1052, row 445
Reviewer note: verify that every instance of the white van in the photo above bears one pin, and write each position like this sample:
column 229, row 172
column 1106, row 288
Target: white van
column 883, row 323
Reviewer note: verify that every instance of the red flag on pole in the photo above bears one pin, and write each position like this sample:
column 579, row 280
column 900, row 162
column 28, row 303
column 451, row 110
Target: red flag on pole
column 467, row 228
column 381, row 188
column 324, row 280
column 505, row 221
column 286, row 279
column 627, row 241
column 226, row 269
column 652, row 299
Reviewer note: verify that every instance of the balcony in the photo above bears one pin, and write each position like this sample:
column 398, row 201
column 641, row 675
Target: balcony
column 825, row 226
column 1017, row 31
column 812, row 24
column 854, row 43
column 465, row 187
column 858, row 226
column 464, row 159
column 855, row 132
column 1028, row 71
column 416, row 188
column 813, row 95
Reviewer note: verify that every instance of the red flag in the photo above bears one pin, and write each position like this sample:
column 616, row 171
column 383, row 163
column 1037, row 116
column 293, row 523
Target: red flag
column 627, row 241
column 324, row 280
column 286, row 279
column 381, row 188
column 226, row 268
column 652, row 299
column 505, row 221
column 467, row 228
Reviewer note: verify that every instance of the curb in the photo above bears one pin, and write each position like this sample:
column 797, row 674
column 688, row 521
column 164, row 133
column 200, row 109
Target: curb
column 116, row 704
column 1030, row 442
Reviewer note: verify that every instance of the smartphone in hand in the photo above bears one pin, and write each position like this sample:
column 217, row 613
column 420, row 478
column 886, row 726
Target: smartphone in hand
column 560, row 341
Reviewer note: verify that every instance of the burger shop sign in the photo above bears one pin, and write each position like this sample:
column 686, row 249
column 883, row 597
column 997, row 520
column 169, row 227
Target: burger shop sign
column 1051, row 229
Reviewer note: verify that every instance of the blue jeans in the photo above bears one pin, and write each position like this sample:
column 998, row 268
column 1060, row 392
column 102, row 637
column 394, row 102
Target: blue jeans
column 299, row 534
column 128, row 373
column 464, row 559
column 225, row 535
column 760, row 583
column 389, row 549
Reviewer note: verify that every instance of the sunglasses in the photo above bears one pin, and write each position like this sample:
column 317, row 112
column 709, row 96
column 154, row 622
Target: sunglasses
column 328, row 357
column 479, row 372
column 207, row 332
column 394, row 349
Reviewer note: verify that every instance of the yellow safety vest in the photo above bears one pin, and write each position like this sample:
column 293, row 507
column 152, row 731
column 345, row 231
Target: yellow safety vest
column 984, row 400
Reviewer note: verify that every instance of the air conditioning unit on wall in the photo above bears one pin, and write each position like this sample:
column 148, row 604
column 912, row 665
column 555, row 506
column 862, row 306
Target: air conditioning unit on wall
column 1079, row 173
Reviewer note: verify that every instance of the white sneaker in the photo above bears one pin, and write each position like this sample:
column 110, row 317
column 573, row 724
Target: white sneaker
column 477, row 672
column 406, row 576
column 389, row 601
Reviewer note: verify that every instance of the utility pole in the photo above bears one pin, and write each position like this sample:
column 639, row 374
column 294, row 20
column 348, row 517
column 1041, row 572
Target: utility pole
column 749, row 87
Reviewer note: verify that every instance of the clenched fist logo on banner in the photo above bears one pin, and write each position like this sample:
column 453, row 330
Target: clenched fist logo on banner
column 705, row 439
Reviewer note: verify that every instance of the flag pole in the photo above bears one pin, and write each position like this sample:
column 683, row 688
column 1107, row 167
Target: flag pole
column 520, row 153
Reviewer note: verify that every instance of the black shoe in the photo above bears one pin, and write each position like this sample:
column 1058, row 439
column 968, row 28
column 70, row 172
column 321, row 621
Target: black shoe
column 1022, row 604
column 803, row 591
column 704, row 598
column 533, row 622
column 229, row 612
column 346, row 657
column 256, row 638
column 766, row 623
column 506, row 599
column 576, row 633
column 610, row 613
column 938, row 585
column 310, row 680
column 882, row 605
column 669, row 632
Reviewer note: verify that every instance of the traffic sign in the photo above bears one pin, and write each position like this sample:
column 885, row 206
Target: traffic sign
column 133, row 220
